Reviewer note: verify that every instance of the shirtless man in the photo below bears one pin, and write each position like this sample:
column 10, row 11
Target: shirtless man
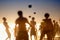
column 7, row 28
column 22, row 32
column 33, row 30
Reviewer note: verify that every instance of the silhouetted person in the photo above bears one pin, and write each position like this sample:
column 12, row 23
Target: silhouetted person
column 22, row 32
column 46, row 27
column 54, row 32
column 57, row 28
column 7, row 28
column 33, row 30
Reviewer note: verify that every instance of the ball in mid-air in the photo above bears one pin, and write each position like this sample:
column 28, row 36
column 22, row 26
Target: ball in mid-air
column 30, row 6
column 29, row 16
column 34, row 12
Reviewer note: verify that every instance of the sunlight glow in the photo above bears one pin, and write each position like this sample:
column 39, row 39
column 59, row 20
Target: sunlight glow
column 3, row 34
column 33, row 37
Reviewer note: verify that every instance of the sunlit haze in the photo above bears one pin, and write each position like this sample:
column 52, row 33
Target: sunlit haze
column 9, row 9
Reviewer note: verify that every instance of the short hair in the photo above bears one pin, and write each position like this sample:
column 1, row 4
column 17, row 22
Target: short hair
column 33, row 18
column 4, row 18
column 46, row 15
column 20, row 13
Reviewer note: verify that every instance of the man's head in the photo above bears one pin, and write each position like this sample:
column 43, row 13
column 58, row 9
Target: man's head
column 4, row 19
column 53, row 21
column 56, row 22
column 20, row 13
column 33, row 18
column 46, row 15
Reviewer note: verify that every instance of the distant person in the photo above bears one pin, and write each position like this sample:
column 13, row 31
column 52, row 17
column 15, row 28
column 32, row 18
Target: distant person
column 46, row 27
column 7, row 28
column 22, row 32
column 55, row 29
column 33, row 29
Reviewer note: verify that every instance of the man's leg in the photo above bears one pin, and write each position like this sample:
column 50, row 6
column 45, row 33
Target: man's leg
column 42, row 35
column 49, row 36
column 35, row 37
column 25, row 34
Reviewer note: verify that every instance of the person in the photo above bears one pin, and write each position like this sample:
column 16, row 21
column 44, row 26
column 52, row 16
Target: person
column 46, row 27
column 33, row 30
column 55, row 30
column 7, row 28
column 22, row 32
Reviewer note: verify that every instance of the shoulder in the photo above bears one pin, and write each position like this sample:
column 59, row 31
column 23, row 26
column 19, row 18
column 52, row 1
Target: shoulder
column 17, row 19
column 24, row 18
column 43, row 19
column 30, row 21
column 49, row 18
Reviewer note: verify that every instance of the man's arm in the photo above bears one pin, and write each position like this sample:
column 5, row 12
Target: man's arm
column 28, row 23
column 15, row 30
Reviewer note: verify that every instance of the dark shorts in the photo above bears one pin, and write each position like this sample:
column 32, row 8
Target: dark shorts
column 22, row 35
column 33, row 32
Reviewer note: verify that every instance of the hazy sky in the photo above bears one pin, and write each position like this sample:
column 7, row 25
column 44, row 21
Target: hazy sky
column 9, row 8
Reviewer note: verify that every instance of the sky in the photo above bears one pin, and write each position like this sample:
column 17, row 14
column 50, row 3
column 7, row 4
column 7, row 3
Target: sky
column 9, row 9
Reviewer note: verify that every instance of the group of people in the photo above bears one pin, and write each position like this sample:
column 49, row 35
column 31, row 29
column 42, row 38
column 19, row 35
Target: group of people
column 46, row 27
column 49, row 28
